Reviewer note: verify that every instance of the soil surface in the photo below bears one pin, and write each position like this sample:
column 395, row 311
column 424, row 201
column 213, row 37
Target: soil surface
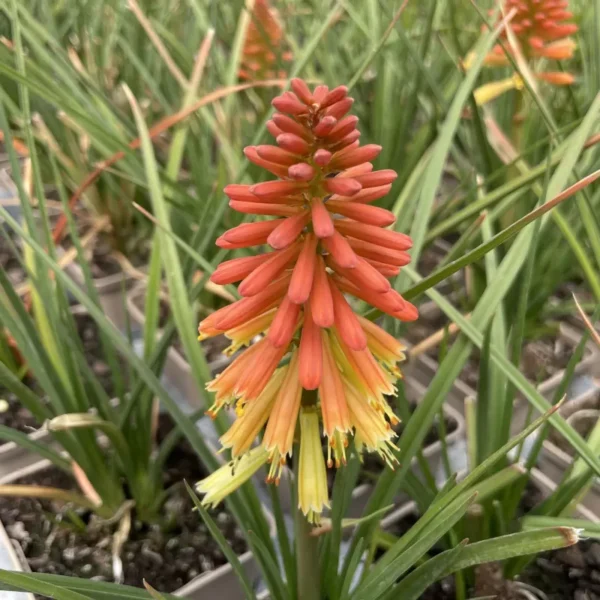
column 545, row 357
column 569, row 573
column 429, row 260
column 14, row 415
column 167, row 554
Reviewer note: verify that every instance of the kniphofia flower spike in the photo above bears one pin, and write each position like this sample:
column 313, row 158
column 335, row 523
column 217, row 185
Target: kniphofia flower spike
column 263, row 46
column 542, row 29
column 317, row 361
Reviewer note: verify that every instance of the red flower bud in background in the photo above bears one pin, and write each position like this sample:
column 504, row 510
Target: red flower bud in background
column 264, row 45
column 540, row 25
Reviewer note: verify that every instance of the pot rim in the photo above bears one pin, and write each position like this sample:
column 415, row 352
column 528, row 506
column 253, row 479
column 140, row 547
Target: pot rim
column 588, row 363
column 14, row 563
column 561, row 458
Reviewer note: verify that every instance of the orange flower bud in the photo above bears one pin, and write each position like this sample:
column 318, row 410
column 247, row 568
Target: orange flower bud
column 321, row 219
column 311, row 355
column 557, row 78
column 321, row 302
column 339, row 247
column 302, row 276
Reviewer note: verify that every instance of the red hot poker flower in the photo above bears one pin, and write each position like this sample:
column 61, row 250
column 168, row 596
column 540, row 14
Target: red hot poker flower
column 263, row 43
column 328, row 243
column 542, row 29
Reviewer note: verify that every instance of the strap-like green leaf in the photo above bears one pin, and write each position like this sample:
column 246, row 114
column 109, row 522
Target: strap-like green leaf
column 413, row 585
column 443, row 144
column 516, row 544
column 30, row 583
column 588, row 528
column 42, row 583
column 400, row 557
column 216, row 534
column 8, row 434
column 517, row 378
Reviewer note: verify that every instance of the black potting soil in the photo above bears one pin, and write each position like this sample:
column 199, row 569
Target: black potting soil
column 569, row 573
column 543, row 357
column 167, row 553
column 13, row 414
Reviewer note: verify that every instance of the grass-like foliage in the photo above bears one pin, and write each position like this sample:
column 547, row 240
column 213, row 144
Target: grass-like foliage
column 122, row 123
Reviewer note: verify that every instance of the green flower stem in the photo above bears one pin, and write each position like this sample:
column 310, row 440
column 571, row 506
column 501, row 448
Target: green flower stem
column 518, row 121
column 308, row 569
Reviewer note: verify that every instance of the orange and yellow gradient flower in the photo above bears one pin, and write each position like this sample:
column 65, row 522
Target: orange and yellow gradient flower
column 542, row 30
column 316, row 361
column 263, row 45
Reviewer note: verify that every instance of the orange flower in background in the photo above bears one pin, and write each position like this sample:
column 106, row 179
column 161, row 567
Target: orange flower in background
column 263, row 45
column 328, row 244
column 542, row 29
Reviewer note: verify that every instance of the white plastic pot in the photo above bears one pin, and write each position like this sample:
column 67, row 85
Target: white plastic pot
column 10, row 560
column 423, row 368
column 110, row 291
column 555, row 461
column 177, row 370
